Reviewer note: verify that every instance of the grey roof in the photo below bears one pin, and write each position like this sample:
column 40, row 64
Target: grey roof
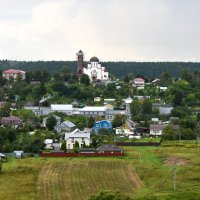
column 157, row 127
column 56, row 145
column 68, row 124
column 109, row 147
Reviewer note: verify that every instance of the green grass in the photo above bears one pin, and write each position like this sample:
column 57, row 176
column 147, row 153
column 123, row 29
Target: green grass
column 139, row 173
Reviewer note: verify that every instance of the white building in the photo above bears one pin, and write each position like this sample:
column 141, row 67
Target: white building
column 13, row 73
column 156, row 129
column 95, row 71
column 81, row 137
column 37, row 110
column 65, row 108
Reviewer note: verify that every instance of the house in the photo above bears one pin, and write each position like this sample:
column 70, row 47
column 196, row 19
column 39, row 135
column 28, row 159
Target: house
column 48, row 143
column 81, row 137
column 108, row 101
column 138, row 82
column 156, row 81
column 155, row 120
column 131, row 124
column 110, row 114
column 109, row 106
column 141, row 97
column 13, row 121
column 97, row 99
column 18, row 154
column 65, row 108
column 38, row 110
column 156, row 129
column 65, row 126
column 100, row 125
column 124, row 130
column 56, row 147
column 109, row 148
column 163, row 88
column 93, row 111
column 13, row 73
column 163, row 109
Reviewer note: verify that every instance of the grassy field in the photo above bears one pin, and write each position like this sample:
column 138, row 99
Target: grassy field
column 77, row 180
column 142, row 173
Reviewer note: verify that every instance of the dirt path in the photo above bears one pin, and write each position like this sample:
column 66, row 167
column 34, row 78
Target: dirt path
column 133, row 177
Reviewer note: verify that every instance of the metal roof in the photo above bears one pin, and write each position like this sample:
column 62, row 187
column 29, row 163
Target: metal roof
column 61, row 107
column 93, row 108
column 68, row 123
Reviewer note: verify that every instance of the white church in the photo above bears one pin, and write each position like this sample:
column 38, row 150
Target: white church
column 95, row 71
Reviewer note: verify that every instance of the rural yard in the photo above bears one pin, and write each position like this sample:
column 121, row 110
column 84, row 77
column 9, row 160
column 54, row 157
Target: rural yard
column 143, row 173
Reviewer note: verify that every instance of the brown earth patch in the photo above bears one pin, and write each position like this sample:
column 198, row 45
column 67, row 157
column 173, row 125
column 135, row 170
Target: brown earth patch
column 171, row 161
column 133, row 177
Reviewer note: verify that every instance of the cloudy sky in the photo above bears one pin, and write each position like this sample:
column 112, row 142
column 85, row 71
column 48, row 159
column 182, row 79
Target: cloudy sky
column 113, row 30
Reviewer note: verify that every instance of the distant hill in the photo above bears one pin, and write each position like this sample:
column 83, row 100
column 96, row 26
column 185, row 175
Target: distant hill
column 118, row 69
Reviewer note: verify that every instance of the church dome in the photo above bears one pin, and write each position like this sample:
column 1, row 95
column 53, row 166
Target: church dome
column 94, row 59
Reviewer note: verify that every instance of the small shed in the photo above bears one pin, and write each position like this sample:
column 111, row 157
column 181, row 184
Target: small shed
column 2, row 156
column 18, row 154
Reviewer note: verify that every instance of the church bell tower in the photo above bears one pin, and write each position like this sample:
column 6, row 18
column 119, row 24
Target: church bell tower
column 80, row 64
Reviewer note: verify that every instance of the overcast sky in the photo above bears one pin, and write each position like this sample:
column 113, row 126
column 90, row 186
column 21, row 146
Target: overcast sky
column 112, row 30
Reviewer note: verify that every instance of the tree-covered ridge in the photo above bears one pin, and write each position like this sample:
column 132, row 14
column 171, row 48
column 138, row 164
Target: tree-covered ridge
column 118, row 69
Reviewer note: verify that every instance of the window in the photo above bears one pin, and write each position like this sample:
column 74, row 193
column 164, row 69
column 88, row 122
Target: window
column 72, row 140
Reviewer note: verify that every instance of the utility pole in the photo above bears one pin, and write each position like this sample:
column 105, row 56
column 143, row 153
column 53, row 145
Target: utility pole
column 140, row 160
column 175, row 174
column 179, row 136
column 175, row 178
column 198, row 139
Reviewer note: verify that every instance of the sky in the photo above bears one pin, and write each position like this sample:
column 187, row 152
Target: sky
column 112, row 30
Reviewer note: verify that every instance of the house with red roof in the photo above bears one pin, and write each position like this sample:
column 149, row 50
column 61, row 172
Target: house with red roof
column 138, row 82
column 13, row 73
column 12, row 121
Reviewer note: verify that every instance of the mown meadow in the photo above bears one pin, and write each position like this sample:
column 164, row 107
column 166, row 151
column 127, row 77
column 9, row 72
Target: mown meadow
column 143, row 173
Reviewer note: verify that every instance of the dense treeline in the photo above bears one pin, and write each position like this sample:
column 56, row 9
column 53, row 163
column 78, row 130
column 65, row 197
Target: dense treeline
column 118, row 69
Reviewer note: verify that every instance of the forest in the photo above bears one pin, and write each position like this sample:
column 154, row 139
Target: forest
column 149, row 70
